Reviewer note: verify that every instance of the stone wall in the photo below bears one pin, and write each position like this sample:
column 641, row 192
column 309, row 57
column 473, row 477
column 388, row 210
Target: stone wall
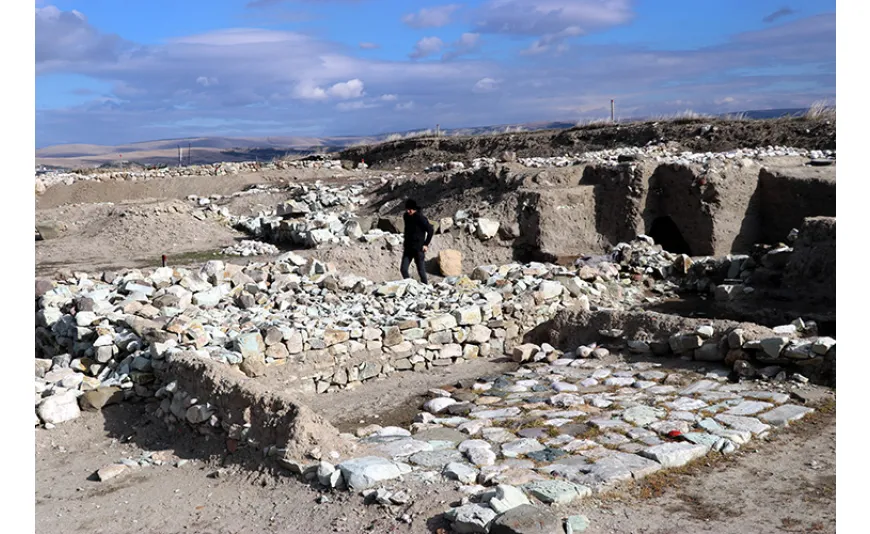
column 200, row 391
column 746, row 347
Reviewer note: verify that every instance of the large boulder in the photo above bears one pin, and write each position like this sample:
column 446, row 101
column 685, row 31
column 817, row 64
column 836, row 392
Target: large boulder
column 59, row 408
column 450, row 262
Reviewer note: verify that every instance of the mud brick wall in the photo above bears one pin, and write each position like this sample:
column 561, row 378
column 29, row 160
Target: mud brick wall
column 790, row 194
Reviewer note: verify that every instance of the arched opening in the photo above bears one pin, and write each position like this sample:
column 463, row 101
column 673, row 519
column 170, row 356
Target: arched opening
column 665, row 232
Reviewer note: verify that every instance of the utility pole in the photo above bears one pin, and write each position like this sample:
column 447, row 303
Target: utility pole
column 612, row 116
column 188, row 154
column 179, row 155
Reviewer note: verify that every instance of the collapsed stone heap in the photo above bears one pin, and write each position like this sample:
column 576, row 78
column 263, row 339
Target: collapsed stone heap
column 250, row 248
column 46, row 180
column 661, row 153
column 318, row 214
column 114, row 329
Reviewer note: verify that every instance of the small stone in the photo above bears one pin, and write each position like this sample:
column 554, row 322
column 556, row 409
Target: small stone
column 59, row 408
column 557, row 491
column 486, row 228
column 524, row 353
column 110, row 471
column 823, row 345
column 438, row 405
column 773, row 346
column 472, row 519
column 362, row 473
column 436, row 459
column 736, row 422
column 785, row 414
column 749, row 408
column 519, row 447
column 705, row 331
column 459, row 471
column 507, row 497
column 102, row 396
column 576, row 524
column 735, row 338
column 674, row 454
column 528, row 519
column 642, row 415
column 450, row 262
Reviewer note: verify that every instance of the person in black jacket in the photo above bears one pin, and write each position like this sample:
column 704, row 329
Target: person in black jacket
column 418, row 235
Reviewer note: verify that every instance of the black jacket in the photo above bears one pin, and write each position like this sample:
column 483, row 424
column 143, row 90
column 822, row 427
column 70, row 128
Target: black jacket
column 418, row 231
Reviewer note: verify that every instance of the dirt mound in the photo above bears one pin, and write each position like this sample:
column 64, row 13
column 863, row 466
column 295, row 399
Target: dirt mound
column 697, row 135
column 103, row 234
column 379, row 263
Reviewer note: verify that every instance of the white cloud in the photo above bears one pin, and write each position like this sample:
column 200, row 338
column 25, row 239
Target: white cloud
column 431, row 17
column 485, row 85
column 206, row 81
column 347, row 90
column 369, row 46
column 65, row 38
column 426, row 47
column 268, row 75
column 308, row 91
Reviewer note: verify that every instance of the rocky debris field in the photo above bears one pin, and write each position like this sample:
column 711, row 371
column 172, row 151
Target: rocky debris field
column 592, row 396
column 689, row 135
column 658, row 153
column 566, row 415
column 46, row 180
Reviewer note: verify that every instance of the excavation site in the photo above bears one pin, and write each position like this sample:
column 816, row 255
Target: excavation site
column 626, row 328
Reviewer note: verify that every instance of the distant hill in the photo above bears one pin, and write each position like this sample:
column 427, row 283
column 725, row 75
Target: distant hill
column 205, row 150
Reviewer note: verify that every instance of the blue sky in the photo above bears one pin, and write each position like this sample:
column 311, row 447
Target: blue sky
column 111, row 72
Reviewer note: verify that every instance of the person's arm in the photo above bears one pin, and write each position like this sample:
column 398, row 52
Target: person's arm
column 430, row 231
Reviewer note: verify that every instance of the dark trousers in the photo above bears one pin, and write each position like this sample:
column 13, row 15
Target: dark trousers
column 419, row 258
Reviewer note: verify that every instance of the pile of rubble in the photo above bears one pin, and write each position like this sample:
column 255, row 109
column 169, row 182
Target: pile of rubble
column 251, row 248
column 564, row 426
column 312, row 215
column 46, row 180
column 112, row 331
column 316, row 215
column 660, row 153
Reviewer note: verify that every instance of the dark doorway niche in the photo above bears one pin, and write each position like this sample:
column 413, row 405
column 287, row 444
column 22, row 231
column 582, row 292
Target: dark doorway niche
column 665, row 232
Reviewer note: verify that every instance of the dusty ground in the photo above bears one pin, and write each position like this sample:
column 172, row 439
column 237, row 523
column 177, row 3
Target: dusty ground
column 179, row 187
column 113, row 225
column 111, row 236
column 786, row 484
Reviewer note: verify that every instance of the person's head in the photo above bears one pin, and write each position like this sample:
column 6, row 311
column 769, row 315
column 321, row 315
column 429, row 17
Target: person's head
column 411, row 206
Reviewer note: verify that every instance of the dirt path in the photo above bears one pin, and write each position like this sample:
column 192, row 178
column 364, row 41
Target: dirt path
column 784, row 484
